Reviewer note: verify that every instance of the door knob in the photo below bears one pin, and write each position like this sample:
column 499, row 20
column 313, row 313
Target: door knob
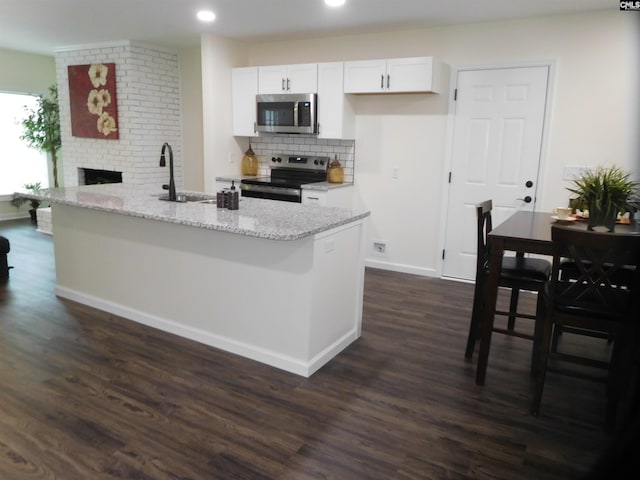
column 529, row 184
column 526, row 199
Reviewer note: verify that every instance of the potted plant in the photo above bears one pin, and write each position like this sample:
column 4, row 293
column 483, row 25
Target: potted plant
column 606, row 192
column 42, row 128
column 18, row 200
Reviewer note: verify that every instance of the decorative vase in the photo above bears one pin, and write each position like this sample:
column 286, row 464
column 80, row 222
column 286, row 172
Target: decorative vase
column 335, row 172
column 601, row 218
column 249, row 163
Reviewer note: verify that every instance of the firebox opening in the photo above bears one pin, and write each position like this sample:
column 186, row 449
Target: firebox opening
column 89, row 176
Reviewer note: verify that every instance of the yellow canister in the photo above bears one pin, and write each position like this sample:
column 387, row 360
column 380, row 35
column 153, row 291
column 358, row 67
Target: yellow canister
column 249, row 163
column 335, row 172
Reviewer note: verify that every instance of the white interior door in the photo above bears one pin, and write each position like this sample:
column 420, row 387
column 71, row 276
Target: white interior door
column 497, row 138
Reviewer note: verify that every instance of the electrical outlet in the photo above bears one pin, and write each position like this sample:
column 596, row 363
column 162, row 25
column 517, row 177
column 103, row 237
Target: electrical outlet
column 379, row 247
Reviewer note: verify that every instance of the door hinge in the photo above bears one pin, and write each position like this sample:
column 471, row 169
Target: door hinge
column 449, row 177
column 455, row 94
column 443, row 253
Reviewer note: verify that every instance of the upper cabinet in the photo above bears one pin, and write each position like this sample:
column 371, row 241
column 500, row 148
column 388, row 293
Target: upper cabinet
column 244, row 88
column 336, row 118
column 415, row 74
column 300, row 78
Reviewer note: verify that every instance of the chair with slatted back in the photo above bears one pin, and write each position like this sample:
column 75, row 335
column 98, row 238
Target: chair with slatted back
column 517, row 273
column 593, row 300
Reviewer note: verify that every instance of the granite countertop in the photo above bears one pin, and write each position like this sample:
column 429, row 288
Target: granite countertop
column 268, row 219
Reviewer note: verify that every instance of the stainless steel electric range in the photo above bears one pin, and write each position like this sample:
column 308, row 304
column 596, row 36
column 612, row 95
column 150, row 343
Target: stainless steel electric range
column 288, row 174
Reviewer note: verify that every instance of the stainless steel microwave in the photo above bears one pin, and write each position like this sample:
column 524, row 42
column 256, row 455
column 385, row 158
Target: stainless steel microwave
column 287, row 113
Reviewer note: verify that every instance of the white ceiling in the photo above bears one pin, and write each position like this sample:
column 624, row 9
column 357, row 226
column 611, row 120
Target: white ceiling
column 41, row 26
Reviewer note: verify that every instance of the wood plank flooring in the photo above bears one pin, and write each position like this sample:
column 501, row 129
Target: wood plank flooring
column 87, row 395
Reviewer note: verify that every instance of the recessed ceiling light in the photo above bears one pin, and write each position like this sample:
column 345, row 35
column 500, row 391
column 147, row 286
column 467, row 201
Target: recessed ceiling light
column 206, row 16
column 334, row 3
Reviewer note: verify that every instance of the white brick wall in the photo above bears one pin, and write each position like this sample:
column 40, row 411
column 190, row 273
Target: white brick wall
column 148, row 91
column 269, row 145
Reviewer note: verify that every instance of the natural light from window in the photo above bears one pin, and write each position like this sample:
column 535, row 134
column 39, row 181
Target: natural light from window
column 19, row 164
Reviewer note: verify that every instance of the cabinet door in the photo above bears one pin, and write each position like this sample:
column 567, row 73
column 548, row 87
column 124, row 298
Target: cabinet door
column 335, row 114
column 365, row 76
column 272, row 79
column 410, row 74
column 244, row 87
column 302, row 78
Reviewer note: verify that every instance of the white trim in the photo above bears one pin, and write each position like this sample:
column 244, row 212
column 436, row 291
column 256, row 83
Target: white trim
column 542, row 166
column 13, row 216
column 120, row 43
column 402, row 268
column 252, row 352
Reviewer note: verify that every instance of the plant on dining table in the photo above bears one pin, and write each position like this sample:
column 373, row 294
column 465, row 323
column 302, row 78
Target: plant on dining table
column 606, row 192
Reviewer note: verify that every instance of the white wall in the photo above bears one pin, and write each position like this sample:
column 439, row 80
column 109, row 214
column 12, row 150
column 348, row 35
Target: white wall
column 593, row 119
column 192, row 135
column 222, row 152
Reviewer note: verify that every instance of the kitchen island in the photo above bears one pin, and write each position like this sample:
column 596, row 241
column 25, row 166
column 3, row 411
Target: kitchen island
column 276, row 282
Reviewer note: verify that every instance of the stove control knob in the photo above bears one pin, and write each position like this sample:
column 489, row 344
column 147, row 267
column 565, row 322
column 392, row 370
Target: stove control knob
column 315, row 162
column 279, row 160
column 273, row 159
column 321, row 162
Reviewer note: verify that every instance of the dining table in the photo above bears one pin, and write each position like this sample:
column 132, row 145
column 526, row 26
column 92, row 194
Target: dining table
column 525, row 232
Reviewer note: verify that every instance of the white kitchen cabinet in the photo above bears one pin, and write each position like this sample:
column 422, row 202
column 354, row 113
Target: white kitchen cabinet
column 333, row 197
column 299, row 78
column 414, row 74
column 336, row 118
column 244, row 88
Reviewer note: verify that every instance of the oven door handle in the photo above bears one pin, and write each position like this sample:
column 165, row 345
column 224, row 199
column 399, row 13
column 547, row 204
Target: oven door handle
column 268, row 189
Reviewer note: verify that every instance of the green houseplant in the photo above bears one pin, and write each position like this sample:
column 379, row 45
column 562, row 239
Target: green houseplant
column 41, row 128
column 606, row 192
column 18, row 200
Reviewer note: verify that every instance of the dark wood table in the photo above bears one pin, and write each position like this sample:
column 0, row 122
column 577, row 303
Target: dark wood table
column 523, row 232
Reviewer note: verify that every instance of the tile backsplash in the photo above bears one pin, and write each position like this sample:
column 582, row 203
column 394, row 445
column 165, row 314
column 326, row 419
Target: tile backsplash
column 268, row 145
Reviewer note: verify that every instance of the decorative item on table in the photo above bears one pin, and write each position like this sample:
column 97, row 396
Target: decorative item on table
column 335, row 172
column 607, row 193
column 562, row 214
column 249, row 162
column 93, row 100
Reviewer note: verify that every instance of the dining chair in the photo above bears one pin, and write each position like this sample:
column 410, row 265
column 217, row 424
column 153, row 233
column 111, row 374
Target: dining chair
column 517, row 273
column 594, row 300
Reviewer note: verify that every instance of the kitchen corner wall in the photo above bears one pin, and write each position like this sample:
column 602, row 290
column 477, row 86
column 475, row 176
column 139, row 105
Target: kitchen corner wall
column 148, row 92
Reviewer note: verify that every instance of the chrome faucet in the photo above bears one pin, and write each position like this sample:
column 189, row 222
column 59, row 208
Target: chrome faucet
column 172, row 184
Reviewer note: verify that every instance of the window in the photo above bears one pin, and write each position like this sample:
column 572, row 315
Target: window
column 19, row 164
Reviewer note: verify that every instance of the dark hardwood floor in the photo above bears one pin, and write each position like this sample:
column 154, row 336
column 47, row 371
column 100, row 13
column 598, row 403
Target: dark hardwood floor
column 87, row 395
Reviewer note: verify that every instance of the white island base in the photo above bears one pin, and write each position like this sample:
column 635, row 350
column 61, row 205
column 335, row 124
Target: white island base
column 293, row 304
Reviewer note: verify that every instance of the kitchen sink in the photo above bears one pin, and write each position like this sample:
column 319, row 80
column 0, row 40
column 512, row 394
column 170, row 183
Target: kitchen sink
column 185, row 197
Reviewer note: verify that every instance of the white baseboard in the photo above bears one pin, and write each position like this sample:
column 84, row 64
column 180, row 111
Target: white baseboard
column 13, row 216
column 398, row 267
column 252, row 352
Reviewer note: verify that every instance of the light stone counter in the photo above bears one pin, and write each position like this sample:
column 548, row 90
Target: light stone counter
column 213, row 275
column 256, row 217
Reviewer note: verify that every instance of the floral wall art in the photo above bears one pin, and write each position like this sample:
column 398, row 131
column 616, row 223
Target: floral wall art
column 94, row 106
